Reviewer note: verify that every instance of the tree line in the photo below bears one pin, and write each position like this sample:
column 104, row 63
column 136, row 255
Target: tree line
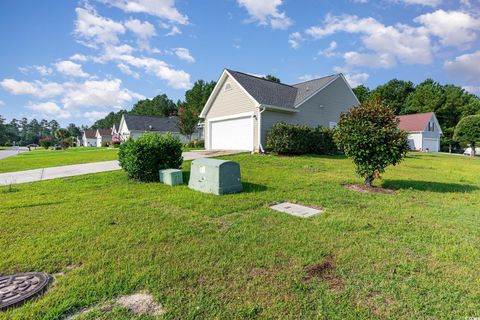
column 449, row 102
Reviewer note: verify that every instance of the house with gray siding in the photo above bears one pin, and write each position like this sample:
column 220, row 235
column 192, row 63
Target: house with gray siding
column 242, row 108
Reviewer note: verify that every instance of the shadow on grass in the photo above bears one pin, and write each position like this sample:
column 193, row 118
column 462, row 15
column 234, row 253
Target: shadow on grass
column 33, row 205
column 429, row 186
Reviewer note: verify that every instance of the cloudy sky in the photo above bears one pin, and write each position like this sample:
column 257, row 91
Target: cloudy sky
column 75, row 61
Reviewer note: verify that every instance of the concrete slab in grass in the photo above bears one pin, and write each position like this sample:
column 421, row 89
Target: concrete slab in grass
column 296, row 209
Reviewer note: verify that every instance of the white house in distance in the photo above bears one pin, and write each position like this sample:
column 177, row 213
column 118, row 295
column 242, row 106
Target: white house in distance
column 103, row 135
column 89, row 139
column 242, row 107
column 424, row 131
column 132, row 126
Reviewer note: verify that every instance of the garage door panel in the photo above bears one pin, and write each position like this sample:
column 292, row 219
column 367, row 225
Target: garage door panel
column 430, row 145
column 232, row 134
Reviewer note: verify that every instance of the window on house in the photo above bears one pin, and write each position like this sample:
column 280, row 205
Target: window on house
column 431, row 126
column 228, row 86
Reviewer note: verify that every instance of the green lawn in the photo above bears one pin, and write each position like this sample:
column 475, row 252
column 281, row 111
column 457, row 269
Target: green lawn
column 414, row 254
column 42, row 158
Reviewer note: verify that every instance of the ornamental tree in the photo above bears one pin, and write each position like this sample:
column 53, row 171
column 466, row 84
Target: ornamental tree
column 369, row 135
column 468, row 131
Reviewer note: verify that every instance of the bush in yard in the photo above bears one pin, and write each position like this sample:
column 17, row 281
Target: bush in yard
column 468, row 131
column 292, row 139
column 369, row 135
column 105, row 144
column 143, row 158
column 45, row 142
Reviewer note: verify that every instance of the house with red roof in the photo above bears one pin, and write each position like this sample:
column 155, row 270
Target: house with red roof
column 424, row 131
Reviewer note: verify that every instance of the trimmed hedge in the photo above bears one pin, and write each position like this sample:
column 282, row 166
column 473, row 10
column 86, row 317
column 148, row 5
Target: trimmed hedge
column 143, row 158
column 290, row 139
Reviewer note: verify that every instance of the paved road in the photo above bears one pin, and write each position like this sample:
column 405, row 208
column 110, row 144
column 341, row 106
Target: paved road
column 86, row 168
column 10, row 152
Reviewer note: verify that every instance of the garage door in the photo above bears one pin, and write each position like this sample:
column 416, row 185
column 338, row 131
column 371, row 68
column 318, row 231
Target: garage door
column 232, row 134
column 430, row 145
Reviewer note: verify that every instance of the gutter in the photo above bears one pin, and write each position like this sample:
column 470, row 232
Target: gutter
column 261, row 109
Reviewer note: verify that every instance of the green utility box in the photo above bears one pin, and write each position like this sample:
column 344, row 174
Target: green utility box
column 172, row 177
column 215, row 176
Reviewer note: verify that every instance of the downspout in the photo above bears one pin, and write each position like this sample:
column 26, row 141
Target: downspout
column 260, row 111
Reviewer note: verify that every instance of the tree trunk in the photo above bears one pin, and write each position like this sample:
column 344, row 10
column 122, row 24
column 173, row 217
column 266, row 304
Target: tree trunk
column 472, row 154
column 449, row 148
column 369, row 181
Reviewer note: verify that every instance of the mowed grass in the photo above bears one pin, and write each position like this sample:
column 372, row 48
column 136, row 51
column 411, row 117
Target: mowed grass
column 42, row 158
column 409, row 255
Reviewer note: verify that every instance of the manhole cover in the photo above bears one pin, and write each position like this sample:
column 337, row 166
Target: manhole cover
column 16, row 288
column 296, row 209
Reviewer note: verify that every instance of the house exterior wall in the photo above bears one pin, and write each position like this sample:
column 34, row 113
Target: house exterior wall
column 137, row 134
column 335, row 99
column 415, row 141
column 229, row 103
column 90, row 142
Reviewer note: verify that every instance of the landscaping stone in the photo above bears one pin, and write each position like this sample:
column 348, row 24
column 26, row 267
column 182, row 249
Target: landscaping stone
column 172, row 177
column 296, row 210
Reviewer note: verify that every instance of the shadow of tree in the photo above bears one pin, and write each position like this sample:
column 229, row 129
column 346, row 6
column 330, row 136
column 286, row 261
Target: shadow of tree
column 429, row 186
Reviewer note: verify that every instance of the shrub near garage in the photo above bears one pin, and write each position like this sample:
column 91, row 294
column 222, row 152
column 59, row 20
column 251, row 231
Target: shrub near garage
column 290, row 139
column 143, row 158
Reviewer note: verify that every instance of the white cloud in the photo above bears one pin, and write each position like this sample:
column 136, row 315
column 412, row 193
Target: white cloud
column 465, row 66
column 70, row 68
column 164, row 9
column 143, row 30
column 41, row 69
column 94, row 29
column 381, row 60
column 472, row 89
column 429, row 3
column 98, row 93
column 35, row 88
column 454, row 28
column 295, row 39
column 400, row 42
column 184, row 54
column 2, row 103
column 330, row 51
column 126, row 69
column 95, row 115
column 79, row 57
column 354, row 78
column 49, row 109
column 266, row 12
column 174, row 31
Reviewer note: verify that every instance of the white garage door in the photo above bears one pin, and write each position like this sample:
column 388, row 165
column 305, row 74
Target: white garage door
column 232, row 134
column 431, row 144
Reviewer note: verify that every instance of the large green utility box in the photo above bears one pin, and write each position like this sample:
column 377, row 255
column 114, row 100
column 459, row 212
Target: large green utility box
column 215, row 176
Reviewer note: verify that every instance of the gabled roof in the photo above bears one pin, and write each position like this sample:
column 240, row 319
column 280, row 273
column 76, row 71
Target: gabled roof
column 104, row 132
column 415, row 122
column 149, row 123
column 90, row 134
column 278, row 94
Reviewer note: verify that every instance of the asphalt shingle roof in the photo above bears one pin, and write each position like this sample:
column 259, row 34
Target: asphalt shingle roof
column 148, row 123
column 90, row 134
column 278, row 94
column 414, row 122
column 105, row 132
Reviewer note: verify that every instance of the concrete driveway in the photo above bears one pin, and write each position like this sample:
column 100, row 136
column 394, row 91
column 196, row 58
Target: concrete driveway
column 87, row 168
column 11, row 152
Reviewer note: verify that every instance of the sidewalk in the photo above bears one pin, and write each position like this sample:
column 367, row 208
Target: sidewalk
column 86, row 168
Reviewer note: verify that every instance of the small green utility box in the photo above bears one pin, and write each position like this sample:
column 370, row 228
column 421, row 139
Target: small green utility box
column 215, row 176
column 172, row 177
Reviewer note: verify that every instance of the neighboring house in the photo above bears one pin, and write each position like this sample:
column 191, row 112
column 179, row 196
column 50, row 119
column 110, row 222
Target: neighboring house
column 243, row 107
column 103, row 135
column 89, row 139
column 424, row 131
column 115, row 134
column 135, row 126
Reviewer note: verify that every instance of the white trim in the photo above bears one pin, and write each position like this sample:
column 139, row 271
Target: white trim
column 274, row 108
column 317, row 91
column 232, row 116
column 217, row 90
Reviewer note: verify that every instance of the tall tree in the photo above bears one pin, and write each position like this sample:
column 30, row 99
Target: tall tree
column 188, row 120
column 394, row 93
column 269, row 77
column 468, row 131
column 108, row 122
column 160, row 106
column 196, row 97
column 362, row 92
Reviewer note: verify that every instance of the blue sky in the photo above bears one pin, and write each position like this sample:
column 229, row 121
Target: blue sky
column 75, row 61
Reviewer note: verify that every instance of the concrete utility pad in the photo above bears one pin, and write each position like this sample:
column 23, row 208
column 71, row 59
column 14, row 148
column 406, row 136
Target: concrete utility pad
column 296, row 209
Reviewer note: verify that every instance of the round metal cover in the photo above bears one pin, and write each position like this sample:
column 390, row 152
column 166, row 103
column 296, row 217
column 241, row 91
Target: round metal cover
column 16, row 288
